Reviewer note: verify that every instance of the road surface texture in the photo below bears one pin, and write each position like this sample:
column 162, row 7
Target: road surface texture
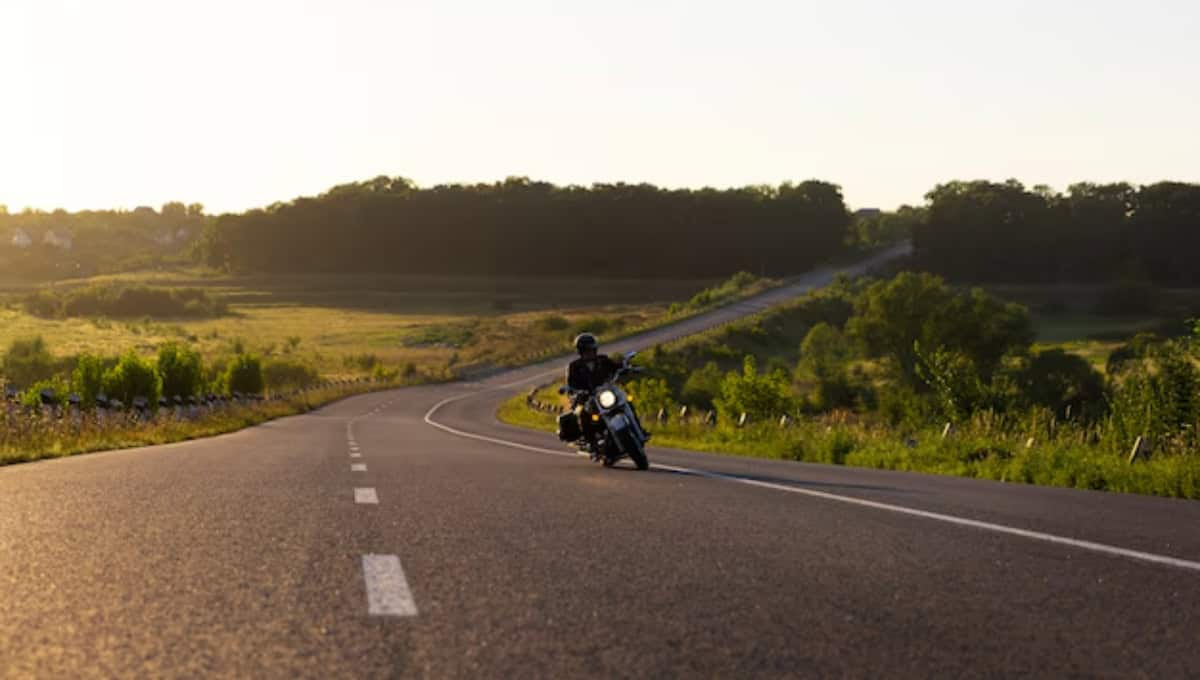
column 409, row 534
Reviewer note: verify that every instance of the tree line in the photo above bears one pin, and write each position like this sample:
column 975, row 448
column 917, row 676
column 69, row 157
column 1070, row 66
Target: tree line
column 1005, row 232
column 41, row 245
column 522, row 227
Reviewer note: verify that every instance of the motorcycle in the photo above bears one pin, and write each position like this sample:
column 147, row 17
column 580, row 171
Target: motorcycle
column 616, row 432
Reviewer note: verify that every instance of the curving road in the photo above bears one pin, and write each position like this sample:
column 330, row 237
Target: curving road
column 408, row 534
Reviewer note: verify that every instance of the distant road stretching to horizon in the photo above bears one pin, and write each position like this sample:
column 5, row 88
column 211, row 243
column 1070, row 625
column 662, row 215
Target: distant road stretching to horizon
column 409, row 534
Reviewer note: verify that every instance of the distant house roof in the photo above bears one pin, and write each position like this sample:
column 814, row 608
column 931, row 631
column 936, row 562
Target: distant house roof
column 53, row 238
column 867, row 212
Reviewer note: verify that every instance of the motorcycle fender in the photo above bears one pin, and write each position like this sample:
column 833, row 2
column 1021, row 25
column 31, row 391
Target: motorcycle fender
column 618, row 422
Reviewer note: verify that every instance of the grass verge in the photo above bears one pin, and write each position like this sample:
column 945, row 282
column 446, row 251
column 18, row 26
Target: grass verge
column 1061, row 458
column 27, row 437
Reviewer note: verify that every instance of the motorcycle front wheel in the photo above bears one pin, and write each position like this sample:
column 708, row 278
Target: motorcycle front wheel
column 635, row 450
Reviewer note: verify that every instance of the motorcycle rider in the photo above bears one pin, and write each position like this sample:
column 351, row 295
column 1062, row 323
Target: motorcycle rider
column 585, row 374
column 590, row 370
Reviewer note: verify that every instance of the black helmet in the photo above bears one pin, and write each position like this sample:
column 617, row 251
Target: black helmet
column 585, row 341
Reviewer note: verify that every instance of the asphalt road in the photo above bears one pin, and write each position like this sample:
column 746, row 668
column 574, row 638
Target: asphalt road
column 491, row 551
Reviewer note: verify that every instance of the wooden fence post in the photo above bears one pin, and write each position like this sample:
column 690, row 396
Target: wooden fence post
column 1138, row 449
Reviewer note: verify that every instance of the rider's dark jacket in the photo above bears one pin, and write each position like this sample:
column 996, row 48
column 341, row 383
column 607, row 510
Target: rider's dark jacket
column 587, row 375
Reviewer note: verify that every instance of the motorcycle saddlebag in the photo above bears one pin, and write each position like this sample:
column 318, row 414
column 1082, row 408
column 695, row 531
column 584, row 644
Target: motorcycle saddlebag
column 568, row 427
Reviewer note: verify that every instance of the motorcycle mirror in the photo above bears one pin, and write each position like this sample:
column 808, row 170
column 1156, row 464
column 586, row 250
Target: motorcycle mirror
column 562, row 390
column 630, row 356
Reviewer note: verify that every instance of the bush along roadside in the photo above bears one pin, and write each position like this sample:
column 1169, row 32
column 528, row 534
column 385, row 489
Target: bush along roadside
column 1034, row 451
column 57, row 427
column 912, row 374
column 88, row 402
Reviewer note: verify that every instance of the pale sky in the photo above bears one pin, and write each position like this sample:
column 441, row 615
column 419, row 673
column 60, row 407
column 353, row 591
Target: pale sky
column 120, row 103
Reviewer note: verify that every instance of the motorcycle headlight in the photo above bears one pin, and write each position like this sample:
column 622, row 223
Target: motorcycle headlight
column 607, row 399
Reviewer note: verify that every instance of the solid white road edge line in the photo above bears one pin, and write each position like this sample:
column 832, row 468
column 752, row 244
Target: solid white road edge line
column 925, row 514
column 387, row 589
column 366, row 495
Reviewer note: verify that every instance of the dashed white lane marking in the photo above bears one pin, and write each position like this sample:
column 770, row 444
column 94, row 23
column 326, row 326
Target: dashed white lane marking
column 1103, row 548
column 358, row 467
column 366, row 496
column 387, row 589
column 355, row 454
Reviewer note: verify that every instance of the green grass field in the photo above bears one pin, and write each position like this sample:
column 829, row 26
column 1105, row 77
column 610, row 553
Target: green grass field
column 331, row 321
column 977, row 449
column 1068, row 454
column 343, row 326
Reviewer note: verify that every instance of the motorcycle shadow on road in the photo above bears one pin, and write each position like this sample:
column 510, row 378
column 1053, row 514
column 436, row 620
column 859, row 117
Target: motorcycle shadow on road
column 783, row 481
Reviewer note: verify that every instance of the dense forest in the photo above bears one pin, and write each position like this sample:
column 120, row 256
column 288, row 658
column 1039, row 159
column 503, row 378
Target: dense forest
column 524, row 227
column 1004, row 232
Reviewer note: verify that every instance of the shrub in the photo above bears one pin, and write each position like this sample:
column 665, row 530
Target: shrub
column 245, row 375
column 651, row 395
column 758, row 396
column 1056, row 380
column 721, row 292
column 1160, row 399
column 125, row 301
column 32, row 397
column 28, row 361
column 214, row 374
column 702, row 386
column 87, row 380
column 1177, row 393
column 902, row 406
column 132, row 377
column 283, row 374
column 824, row 356
column 181, row 370
column 381, row 372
